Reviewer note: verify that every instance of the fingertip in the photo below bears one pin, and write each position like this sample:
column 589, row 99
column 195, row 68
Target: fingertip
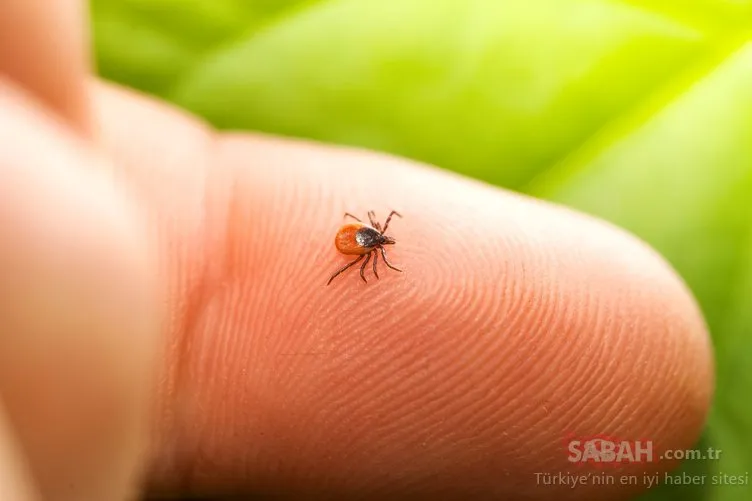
column 516, row 323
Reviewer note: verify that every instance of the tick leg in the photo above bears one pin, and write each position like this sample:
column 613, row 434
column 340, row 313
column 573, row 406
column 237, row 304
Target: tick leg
column 347, row 214
column 375, row 259
column 389, row 218
column 363, row 267
column 344, row 268
column 372, row 218
column 383, row 255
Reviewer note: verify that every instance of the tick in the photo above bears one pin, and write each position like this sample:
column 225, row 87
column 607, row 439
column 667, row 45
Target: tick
column 362, row 240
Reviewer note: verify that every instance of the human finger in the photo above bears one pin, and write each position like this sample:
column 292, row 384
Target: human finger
column 514, row 324
column 79, row 310
column 44, row 49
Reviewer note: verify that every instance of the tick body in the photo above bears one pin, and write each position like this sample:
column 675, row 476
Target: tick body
column 365, row 241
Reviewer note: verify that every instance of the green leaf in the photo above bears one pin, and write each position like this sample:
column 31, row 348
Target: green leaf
column 449, row 88
column 149, row 44
column 639, row 112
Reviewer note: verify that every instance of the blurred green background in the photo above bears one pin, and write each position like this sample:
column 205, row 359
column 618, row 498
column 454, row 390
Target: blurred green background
column 639, row 112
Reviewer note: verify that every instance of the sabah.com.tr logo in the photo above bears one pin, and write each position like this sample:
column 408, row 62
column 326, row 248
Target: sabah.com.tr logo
column 603, row 450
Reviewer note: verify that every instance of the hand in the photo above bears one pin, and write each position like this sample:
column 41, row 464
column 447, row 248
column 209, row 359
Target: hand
column 164, row 314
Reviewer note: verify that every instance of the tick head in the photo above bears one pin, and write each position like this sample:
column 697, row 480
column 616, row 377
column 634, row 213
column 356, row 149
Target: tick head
column 387, row 240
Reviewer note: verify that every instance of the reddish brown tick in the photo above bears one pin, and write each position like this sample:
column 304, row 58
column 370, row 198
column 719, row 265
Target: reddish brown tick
column 362, row 240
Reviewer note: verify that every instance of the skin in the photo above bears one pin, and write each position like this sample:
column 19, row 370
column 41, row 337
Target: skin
column 163, row 298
